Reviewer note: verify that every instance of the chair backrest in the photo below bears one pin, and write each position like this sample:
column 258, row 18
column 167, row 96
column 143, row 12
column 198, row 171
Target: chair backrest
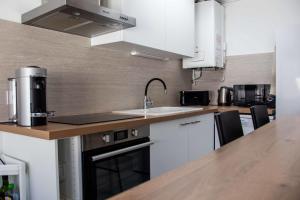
column 229, row 126
column 260, row 115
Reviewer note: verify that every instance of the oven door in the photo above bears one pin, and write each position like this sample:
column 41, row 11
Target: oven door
column 114, row 169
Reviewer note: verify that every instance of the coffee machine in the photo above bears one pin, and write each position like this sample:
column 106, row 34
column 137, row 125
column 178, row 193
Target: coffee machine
column 31, row 105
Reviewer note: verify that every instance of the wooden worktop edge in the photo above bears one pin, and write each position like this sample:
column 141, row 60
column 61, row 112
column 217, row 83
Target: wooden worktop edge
column 54, row 131
column 26, row 131
column 130, row 123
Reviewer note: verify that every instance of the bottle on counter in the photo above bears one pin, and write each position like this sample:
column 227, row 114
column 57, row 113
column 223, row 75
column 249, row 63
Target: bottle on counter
column 4, row 187
column 13, row 192
column 7, row 191
column 9, row 195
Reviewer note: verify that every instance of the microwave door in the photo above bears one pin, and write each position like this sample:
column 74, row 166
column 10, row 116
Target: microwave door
column 250, row 94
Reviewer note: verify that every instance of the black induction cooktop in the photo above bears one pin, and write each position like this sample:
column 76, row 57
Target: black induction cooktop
column 91, row 118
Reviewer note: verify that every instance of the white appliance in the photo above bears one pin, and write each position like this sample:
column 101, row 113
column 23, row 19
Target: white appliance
column 288, row 71
column 210, row 36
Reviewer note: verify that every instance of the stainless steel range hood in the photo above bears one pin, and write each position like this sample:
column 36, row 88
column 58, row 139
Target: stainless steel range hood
column 80, row 17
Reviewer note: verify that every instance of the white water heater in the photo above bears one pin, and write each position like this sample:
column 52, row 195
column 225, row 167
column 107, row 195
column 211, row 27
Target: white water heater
column 210, row 46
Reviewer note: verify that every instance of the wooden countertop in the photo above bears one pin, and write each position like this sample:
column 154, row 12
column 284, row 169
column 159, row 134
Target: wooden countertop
column 58, row 131
column 242, row 110
column 262, row 165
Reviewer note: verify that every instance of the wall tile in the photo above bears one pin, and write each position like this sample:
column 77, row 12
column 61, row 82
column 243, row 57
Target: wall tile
column 245, row 69
column 84, row 79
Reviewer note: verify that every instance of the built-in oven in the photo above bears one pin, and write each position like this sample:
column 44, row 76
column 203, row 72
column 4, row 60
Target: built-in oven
column 115, row 161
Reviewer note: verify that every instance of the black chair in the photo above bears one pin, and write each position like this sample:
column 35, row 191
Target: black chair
column 260, row 115
column 229, row 126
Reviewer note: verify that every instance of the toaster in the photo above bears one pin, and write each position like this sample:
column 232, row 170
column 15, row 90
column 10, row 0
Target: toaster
column 194, row 98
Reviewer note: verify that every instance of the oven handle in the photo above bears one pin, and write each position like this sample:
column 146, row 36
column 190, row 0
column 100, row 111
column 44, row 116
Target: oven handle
column 121, row 151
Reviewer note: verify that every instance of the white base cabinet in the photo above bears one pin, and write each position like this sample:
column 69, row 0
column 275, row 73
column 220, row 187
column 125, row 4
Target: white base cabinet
column 200, row 136
column 179, row 141
column 41, row 158
column 170, row 146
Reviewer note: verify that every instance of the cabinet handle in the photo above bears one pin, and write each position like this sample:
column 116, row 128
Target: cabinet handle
column 121, row 151
column 185, row 124
column 194, row 122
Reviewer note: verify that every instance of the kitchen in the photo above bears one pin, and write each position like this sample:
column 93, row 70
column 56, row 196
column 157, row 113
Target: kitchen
column 84, row 79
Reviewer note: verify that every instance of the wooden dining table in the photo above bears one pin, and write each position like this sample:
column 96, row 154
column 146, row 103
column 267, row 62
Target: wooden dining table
column 262, row 165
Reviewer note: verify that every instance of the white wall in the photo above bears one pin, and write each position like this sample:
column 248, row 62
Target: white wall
column 250, row 24
column 12, row 9
column 288, row 71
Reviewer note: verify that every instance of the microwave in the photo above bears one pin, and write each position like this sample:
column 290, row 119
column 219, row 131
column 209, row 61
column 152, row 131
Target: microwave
column 250, row 95
column 194, row 98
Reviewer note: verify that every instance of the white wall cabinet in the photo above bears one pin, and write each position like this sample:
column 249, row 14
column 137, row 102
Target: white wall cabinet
column 165, row 25
column 179, row 141
column 180, row 27
column 149, row 30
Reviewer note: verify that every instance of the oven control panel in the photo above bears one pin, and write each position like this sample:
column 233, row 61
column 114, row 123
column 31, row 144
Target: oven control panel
column 106, row 138
column 103, row 139
column 120, row 135
column 134, row 132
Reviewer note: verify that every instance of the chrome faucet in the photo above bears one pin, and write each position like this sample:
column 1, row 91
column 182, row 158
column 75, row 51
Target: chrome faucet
column 147, row 101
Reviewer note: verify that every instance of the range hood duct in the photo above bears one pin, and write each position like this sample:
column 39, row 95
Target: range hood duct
column 80, row 17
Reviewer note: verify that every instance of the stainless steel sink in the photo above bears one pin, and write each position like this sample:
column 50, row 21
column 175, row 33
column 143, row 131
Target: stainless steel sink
column 158, row 111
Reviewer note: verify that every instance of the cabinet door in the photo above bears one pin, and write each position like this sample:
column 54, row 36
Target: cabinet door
column 180, row 27
column 200, row 136
column 149, row 30
column 170, row 146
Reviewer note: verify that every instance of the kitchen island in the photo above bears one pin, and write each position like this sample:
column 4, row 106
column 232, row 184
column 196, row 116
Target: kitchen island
column 261, row 165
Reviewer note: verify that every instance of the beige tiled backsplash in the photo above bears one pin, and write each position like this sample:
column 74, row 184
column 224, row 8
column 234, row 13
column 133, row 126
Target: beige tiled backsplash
column 245, row 69
column 84, row 79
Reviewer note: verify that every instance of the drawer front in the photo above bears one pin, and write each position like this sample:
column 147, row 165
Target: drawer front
column 197, row 120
